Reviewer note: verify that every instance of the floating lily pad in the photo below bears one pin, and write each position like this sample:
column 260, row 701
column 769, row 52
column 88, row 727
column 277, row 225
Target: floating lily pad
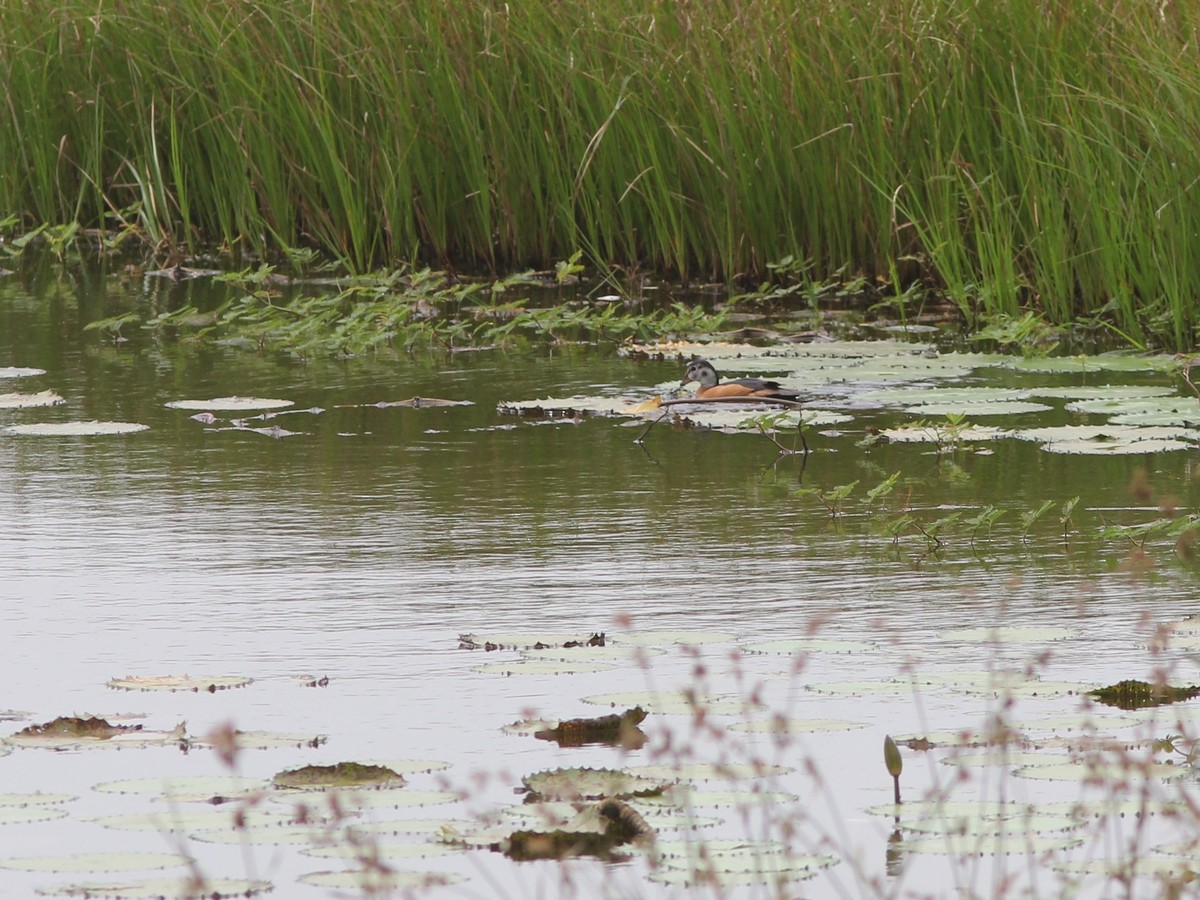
column 593, row 654
column 1004, row 756
column 1105, row 771
column 19, row 372
column 943, row 434
column 974, row 410
column 528, row 641
column 75, row 429
column 262, row 740
column 179, row 683
column 590, row 784
column 742, row 418
column 339, row 775
column 796, row 726
column 1100, row 391
column 920, row 395
column 667, row 638
column 1110, row 439
column 731, row 862
column 230, row 404
column 384, row 798
column 90, row 732
column 709, row 771
column 384, row 850
column 1012, row 843
column 26, row 815
column 1009, row 634
column 27, row 401
column 672, row 702
column 974, row 818
column 181, row 789
column 545, row 667
column 1104, row 363
column 379, row 882
column 1182, row 408
column 687, row 797
column 95, row 862
column 572, row 407
column 162, row 889
column 810, row 645
column 234, row 818
column 37, row 799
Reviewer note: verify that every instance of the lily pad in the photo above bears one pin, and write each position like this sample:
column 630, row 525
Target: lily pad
column 796, row 726
column 235, row 818
column 1010, row 634
column 743, row 418
column 1012, row 843
column 528, row 641
column 182, row 789
column 545, row 667
column 339, row 775
column 1104, row 363
column 1100, row 391
column 590, row 784
column 27, row 401
column 384, row 850
column 1184, row 409
column 810, row 645
column 230, row 404
column 731, row 862
column 1110, row 439
column 95, row 862
column 179, row 683
column 593, row 654
column 90, row 732
column 1109, row 771
column 976, row 409
column 262, row 740
column 15, row 801
column 921, row 395
column 673, row 702
column 75, row 429
column 26, row 815
column 379, row 882
column 943, row 434
column 162, row 889
column 667, row 638
column 384, row 798
column 19, row 372
column 572, row 407
column 709, row 771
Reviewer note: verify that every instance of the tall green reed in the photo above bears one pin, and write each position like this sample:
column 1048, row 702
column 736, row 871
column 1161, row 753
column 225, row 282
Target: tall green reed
column 1032, row 153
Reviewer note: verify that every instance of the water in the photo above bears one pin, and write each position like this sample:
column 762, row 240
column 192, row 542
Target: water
column 362, row 547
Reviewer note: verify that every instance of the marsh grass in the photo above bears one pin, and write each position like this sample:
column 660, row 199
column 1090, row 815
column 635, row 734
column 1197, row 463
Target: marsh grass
column 1031, row 153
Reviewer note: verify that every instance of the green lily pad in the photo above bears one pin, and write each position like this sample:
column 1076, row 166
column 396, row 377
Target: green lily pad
column 1006, row 844
column 1109, row 771
column 1010, row 634
column 967, row 818
column 27, row 401
column 939, row 433
column 810, row 645
column 672, row 702
column 188, row 788
column 1006, row 757
column 1181, row 407
column 572, row 407
column 379, row 882
column 25, row 815
column 1106, row 363
column 742, row 418
column 384, row 798
column 385, row 850
column 972, row 395
column 1110, row 439
column 230, row 404
column 35, row 799
column 1100, row 391
column 796, row 726
column 544, row 667
column 75, row 429
column 976, row 409
column 708, row 771
column 668, row 638
column 591, row 784
column 233, row 818
column 263, row 740
column 161, row 889
column 730, row 862
column 95, row 862
column 206, row 684
column 19, row 372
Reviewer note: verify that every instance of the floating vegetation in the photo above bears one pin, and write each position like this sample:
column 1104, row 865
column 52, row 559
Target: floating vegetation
column 384, row 851
column 19, row 372
column 1010, row 634
column 75, row 429
column 531, row 641
column 674, row 702
column 214, row 789
column 192, row 683
column 617, row 730
column 1103, row 363
column 622, row 652
column 545, row 667
column 1110, row 439
column 26, row 401
column 571, row 407
column 783, row 726
column 810, row 645
column 942, row 434
column 233, row 818
column 730, row 771
column 1010, row 843
column 589, row 784
column 669, row 638
column 190, row 888
column 258, row 740
column 1106, row 770
column 374, row 882
column 26, row 815
column 383, row 798
column 338, row 775
column 732, row 862
column 95, row 862
column 90, row 732
column 597, row 830
column 230, row 404
column 975, row 409
column 1133, row 694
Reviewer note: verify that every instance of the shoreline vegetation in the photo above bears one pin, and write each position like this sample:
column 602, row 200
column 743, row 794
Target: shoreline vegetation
column 1013, row 157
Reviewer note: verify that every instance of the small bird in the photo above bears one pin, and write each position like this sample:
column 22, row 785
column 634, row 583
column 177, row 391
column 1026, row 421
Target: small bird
column 702, row 372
